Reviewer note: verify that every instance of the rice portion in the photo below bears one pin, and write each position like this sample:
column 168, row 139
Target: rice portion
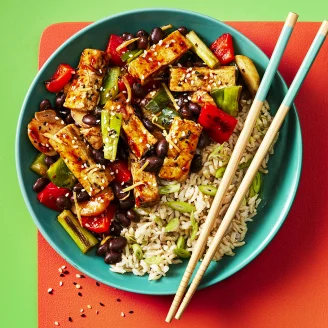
column 157, row 245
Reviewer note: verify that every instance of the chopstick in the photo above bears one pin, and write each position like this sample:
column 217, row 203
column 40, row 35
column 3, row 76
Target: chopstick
column 257, row 160
column 235, row 159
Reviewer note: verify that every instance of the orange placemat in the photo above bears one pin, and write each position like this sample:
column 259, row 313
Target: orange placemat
column 285, row 286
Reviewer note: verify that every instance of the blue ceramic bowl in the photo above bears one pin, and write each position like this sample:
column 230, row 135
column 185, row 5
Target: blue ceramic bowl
column 279, row 185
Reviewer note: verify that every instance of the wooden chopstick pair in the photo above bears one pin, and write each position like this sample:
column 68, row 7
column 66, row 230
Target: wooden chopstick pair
column 236, row 156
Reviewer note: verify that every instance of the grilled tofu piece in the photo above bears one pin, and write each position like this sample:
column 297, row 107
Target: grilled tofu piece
column 184, row 134
column 83, row 93
column 146, row 194
column 201, row 98
column 160, row 55
column 68, row 142
column 93, row 136
column 184, row 79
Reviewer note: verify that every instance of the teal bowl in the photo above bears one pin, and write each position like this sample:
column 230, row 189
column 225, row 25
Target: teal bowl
column 279, row 185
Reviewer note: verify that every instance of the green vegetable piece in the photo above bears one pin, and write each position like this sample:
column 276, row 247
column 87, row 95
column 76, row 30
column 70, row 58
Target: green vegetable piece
column 183, row 253
column 130, row 238
column 169, row 189
column 130, row 55
column 158, row 221
column 227, row 98
column 194, row 225
column 173, row 225
column 245, row 165
column 208, row 190
column 137, row 251
column 60, row 175
column 153, row 260
column 181, row 206
column 181, row 243
column 166, row 117
column 110, row 129
column 201, row 49
column 39, row 166
column 158, row 102
column 215, row 152
column 82, row 237
column 109, row 85
column 219, row 172
column 256, row 185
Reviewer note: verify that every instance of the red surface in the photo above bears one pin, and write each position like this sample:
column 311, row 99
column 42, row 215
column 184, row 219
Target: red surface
column 285, row 286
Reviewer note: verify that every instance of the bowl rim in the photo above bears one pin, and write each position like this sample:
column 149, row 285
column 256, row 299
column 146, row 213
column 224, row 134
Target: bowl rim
column 152, row 291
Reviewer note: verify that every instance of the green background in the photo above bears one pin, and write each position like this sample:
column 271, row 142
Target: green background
column 21, row 25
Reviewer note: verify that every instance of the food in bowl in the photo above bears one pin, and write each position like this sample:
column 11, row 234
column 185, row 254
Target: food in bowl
column 137, row 142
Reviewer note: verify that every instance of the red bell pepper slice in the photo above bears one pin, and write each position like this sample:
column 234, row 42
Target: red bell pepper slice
column 121, row 171
column 50, row 193
column 60, row 78
column 121, row 85
column 216, row 123
column 113, row 43
column 223, row 49
column 101, row 222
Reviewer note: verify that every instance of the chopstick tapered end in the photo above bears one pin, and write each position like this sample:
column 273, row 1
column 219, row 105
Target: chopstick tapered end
column 291, row 19
column 324, row 28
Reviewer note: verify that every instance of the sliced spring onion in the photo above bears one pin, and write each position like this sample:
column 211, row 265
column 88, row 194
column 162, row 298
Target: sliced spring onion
column 153, row 260
column 194, row 225
column 141, row 211
column 158, row 102
column 219, row 172
column 169, row 189
column 208, row 190
column 181, row 206
column 158, row 221
column 130, row 55
column 245, row 164
column 168, row 92
column 137, row 251
column 215, row 152
column 166, row 27
column 130, row 238
column 181, row 243
column 183, row 253
column 201, row 49
column 126, row 43
column 110, row 85
column 256, row 185
column 173, row 225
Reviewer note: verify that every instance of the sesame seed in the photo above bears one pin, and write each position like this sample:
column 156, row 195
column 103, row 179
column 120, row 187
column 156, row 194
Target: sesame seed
column 77, row 276
column 89, row 306
column 77, row 286
column 116, row 171
column 50, row 290
column 122, row 314
column 60, row 270
column 56, row 323
column 97, row 312
column 160, row 42
column 60, row 283
column 81, row 310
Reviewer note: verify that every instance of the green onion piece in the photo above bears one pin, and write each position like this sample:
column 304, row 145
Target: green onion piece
column 208, row 190
column 245, row 164
column 110, row 130
column 130, row 238
column 181, row 206
column 153, row 260
column 39, row 166
column 158, row 102
column 194, row 225
column 82, row 237
column 219, row 172
column 215, row 152
column 137, row 251
column 183, row 253
column 227, row 98
column 201, row 49
column 256, row 185
column 109, row 85
column 173, row 225
column 130, row 55
column 169, row 189
column 59, row 174
column 181, row 243
column 167, row 116
column 141, row 211
column 158, row 221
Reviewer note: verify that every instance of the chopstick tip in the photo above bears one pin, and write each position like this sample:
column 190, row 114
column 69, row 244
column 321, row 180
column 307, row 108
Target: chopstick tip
column 291, row 19
column 324, row 28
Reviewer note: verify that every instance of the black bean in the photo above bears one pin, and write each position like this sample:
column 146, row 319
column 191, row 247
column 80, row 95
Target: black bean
column 59, row 100
column 122, row 150
column 186, row 113
column 124, row 35
column 133, row 215
column 78, row 187
column 117, row 244
column 195, row 108
column 203, row 140
column 40, row 184
column 144, row 102
column 69, row 119
column 128, row 203
column 141, row 33
column 97, row 110
column 182, row 100
column 156, row 35
column 128, row 37
column 143, row 42
column 138, row 91
column 148, row 124
column 199, row 63
column 115, row 228
column 98, row 156
column 162, row 148
column 90, row 119
column 138, row 111
column 183, row 30
column 63, row 203
column 118, row 190
column 102, row 249
column 113, row 257
column 122, row 219
column 82, row 196
column 154, row 163
column 45, row 104
column 196, row 163
column 50, row 160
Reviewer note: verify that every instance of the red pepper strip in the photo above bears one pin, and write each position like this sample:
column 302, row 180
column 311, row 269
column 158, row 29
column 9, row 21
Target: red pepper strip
column 121, row 85
column 121, row 171
column 61, row 77
column 113, row 43
column 216, row 123
column 223, row 49
column 50, row 193
column 101, row 222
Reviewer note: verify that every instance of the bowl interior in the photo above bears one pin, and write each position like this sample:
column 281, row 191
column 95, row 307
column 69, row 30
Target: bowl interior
column 279, row 185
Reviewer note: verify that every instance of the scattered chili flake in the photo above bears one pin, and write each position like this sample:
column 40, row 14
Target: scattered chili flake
column 101, row 304
column 83, row 315
column 97, row 312
column 131, row 312
column 97, row 283
column 66, row 272
column 118, row 300
column 82, row 276
column 62, row 275
column 74, row 283
column 50, row 290
column 70, row 319
column 80, row 294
